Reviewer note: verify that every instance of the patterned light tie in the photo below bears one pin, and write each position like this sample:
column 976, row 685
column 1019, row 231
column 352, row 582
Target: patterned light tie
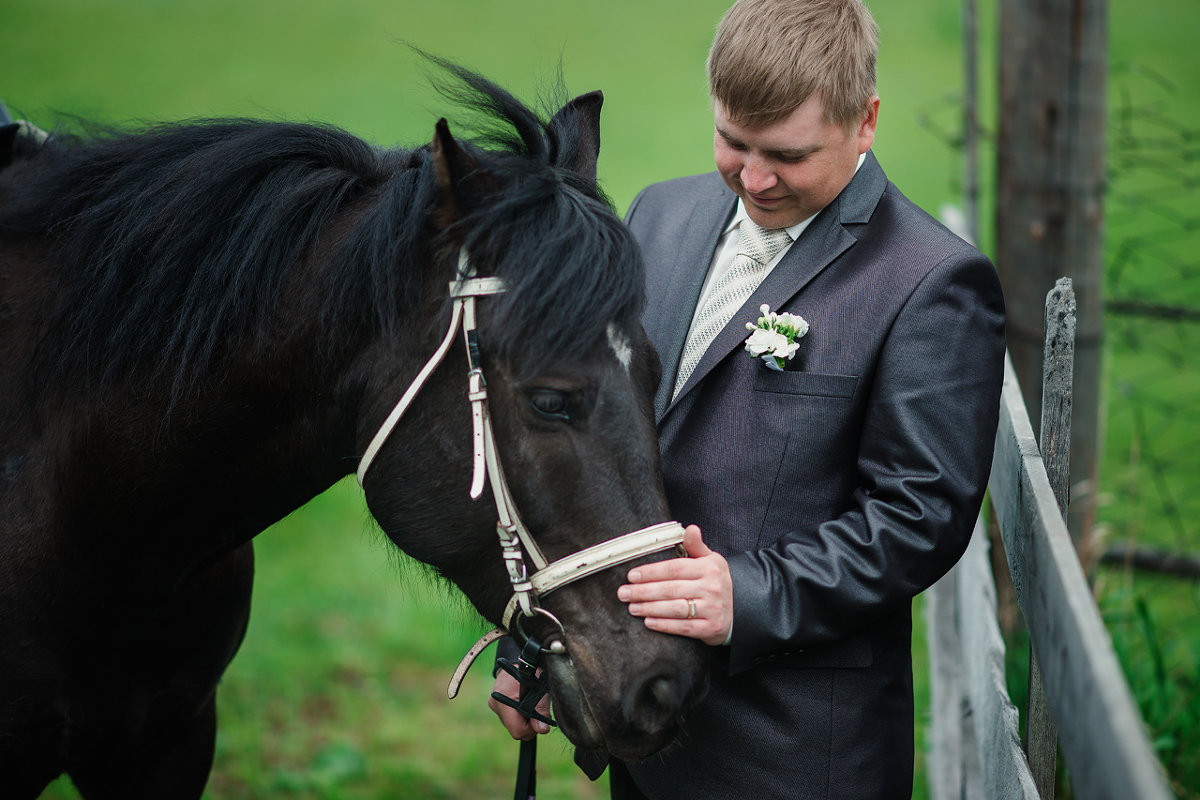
column 756, row 248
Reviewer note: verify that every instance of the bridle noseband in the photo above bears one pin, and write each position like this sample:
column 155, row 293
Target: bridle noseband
column 516, row 543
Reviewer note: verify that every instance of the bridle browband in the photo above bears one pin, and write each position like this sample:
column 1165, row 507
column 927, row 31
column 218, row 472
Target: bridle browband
column 516, row 543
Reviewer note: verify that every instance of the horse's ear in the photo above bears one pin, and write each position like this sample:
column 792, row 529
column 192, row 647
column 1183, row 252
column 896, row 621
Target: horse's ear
column 578, row 124
column 8, row 142
column 451, row 166
column 11, row 134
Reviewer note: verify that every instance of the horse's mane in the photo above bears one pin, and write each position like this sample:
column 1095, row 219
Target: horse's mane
column 173, row 241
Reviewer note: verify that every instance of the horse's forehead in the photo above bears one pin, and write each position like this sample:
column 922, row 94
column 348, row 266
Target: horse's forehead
column 618, row 340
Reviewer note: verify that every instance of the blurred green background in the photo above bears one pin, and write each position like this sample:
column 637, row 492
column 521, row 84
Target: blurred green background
column 345, row 63
column 339, row 689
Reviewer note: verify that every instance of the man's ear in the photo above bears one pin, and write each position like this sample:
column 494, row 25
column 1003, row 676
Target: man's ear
column 578, row 127
column 866, row 128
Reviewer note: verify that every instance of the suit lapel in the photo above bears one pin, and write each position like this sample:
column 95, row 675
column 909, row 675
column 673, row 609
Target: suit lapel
column 825, row 239
column 670, row 313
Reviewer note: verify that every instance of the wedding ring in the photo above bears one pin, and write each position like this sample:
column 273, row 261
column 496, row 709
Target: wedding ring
column 691, row 609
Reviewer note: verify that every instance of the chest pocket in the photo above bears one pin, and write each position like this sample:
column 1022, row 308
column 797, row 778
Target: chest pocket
column 805, row 383
column 810, row 422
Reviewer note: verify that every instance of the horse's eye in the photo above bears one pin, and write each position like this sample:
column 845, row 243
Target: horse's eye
column 550, row 404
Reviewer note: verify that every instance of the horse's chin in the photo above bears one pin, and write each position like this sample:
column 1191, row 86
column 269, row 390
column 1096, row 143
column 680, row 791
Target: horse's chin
column 571, row 708
column 574, row 716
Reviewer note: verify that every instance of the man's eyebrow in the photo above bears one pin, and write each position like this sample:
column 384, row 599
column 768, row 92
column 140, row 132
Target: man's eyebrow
column 787, row 153
column 727, row 136
column 794, row 153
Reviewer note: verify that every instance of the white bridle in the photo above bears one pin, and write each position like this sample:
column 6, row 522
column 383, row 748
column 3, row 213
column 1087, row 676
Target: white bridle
column 516, row 543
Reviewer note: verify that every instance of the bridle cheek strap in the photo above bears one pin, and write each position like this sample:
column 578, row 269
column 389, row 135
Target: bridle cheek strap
column 515, row 540
column 463, row 293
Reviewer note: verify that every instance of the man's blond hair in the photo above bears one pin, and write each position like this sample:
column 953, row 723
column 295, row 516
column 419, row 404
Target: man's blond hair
column 769, row 56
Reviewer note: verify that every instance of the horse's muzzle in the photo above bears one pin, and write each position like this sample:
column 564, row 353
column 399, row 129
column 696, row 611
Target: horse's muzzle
column 645, row 721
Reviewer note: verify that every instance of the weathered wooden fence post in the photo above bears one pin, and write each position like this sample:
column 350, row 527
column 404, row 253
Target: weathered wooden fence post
column 1041, row 739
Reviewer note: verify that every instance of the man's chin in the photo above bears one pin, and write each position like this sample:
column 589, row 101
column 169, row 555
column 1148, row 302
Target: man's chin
column 774, row 215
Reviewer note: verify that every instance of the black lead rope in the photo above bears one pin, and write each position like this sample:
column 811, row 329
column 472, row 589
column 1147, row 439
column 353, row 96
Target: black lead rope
column 526, row 788
column 533, row 689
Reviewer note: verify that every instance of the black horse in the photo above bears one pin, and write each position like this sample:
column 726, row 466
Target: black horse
column 202, row 326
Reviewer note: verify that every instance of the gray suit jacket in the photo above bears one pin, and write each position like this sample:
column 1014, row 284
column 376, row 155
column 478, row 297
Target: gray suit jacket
column 837, row 489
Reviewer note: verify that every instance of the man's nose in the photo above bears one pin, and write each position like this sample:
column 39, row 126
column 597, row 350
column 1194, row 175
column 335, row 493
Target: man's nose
column 757, row 176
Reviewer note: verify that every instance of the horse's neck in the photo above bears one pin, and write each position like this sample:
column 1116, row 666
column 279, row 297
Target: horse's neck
column 216, row 443
column 196, row 471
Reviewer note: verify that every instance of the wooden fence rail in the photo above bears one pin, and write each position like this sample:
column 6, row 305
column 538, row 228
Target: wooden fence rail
column 976, row 749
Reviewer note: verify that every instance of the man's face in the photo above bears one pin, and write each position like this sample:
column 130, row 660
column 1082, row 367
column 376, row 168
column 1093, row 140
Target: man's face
column 789, row 170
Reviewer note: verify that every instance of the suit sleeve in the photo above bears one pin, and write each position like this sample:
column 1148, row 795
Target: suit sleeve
column 633, row 207
column 923, row 462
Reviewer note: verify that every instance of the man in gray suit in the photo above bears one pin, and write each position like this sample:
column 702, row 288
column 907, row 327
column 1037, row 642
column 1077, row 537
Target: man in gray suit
column 834, row 475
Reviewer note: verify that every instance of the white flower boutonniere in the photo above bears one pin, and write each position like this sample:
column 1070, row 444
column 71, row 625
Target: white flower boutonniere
column 773, row 338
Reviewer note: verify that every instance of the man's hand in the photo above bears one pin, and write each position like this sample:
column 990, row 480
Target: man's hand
column 519, row 726
column 686, row 596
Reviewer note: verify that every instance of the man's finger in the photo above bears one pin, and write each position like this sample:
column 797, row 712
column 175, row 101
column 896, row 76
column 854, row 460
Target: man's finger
column 677, row 608
column 693, row 542
column 517, row 724
column 543, row 708
column 657, row 590
column 675, row 569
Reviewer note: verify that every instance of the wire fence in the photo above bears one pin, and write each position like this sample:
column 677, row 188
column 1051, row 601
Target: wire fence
column 1148, row 516
column 1149, row 508
column 1152, row 318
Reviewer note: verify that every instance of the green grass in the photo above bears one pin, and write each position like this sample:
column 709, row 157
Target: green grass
column 339, row 689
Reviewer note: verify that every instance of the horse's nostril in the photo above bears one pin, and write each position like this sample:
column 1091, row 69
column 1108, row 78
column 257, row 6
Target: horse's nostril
column 662, row 690
column 656, row 703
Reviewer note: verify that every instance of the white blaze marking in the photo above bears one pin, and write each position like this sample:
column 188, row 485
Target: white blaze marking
column 620, row 346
